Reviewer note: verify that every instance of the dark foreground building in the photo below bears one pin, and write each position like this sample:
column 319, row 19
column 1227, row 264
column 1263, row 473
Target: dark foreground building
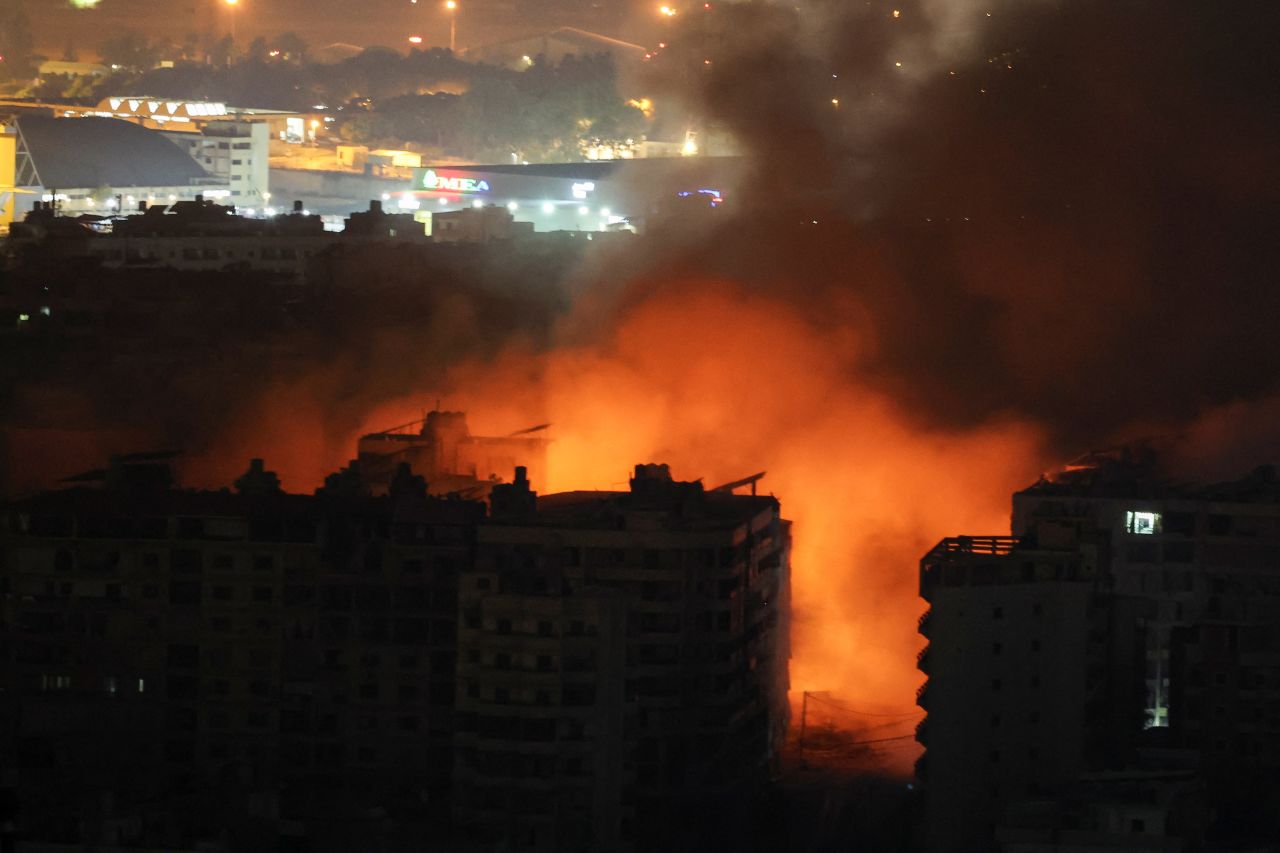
column 622, row 679
column 1107, row 676
column 250, row 669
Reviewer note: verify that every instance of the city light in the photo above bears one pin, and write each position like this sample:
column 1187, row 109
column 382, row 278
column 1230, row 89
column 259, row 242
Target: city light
column 231, row 11
column 451, row 6
column 548, row 207
column 667, row 11
column 415, row 39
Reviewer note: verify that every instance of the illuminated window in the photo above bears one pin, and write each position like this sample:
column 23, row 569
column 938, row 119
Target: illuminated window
column 1142, row 523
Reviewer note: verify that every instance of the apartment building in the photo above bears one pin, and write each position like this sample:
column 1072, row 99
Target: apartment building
column 182, row 663
column 1030, row 667
column 1128, row 626
column 623, row 665
column 235, row 152
column 1195, row 552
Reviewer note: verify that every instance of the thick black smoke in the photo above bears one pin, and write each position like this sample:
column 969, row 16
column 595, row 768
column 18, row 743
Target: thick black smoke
column 1062, row 210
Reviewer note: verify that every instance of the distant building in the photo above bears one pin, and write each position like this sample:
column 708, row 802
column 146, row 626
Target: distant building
column 236, row 152
column 622, row 675
column 17, row 174
column 194, row 116
column 97, row 165
column 589, row 196
column 377, row 224
column 203, row 235
column 477, row 225
column 72, row 69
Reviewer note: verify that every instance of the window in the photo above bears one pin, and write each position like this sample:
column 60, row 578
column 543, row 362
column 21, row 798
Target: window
column 1142, row 523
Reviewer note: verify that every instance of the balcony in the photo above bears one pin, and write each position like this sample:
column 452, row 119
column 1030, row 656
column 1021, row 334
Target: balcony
column 925, row 618
column 922, row 695
column 994, row 546
column 922, row 660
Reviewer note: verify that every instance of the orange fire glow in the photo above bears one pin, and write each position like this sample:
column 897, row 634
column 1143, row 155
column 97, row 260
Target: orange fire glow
column 721, row 383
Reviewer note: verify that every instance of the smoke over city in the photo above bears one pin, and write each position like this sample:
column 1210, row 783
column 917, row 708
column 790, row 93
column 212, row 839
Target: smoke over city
column 974, row 240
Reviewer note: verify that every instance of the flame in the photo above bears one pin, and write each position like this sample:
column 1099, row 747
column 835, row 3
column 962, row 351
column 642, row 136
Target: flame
column 720, row 383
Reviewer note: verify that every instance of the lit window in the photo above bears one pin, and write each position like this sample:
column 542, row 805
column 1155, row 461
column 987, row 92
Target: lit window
column 1143, row 523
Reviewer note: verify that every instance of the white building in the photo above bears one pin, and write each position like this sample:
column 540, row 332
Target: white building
column 236, row 152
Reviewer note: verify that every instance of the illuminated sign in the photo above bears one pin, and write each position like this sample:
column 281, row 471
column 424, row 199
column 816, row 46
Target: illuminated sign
column 432, row 180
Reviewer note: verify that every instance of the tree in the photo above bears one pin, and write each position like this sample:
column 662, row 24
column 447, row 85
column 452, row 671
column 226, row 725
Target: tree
column 129, row 50
column 292, row 48
column 257, row 50
column 223, row 51
column 15, row 41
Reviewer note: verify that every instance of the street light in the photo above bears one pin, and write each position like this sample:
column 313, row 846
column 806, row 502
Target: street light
column 451, row 6
column 231, row 10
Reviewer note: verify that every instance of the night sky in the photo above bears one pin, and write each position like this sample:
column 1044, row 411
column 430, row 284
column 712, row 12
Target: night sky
column 318, row 21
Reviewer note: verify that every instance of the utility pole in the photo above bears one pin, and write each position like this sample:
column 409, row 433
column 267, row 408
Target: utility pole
column 804, row 708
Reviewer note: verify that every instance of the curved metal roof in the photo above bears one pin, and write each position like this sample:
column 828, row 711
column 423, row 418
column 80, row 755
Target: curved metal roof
column 95, row 152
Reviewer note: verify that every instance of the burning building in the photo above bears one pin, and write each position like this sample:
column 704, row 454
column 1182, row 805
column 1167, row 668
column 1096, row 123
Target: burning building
column 444, row 451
